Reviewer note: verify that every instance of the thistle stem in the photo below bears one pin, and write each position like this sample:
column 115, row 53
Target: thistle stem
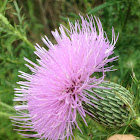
column 7, row 106
column 5, row 114
column 5, row 21
column 138, row 121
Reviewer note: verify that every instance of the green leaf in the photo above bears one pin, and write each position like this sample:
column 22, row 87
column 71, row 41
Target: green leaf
column 3, row 7
column 102, row 6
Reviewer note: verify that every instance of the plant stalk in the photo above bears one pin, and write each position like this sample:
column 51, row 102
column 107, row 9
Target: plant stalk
column 5, row 21
column 7, row 106
column 138, row 121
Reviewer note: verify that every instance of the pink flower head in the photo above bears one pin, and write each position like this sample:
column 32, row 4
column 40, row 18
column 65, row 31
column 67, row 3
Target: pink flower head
column 52, row 96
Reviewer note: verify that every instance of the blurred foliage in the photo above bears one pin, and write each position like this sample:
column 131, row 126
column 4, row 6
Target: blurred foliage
column 22, row 23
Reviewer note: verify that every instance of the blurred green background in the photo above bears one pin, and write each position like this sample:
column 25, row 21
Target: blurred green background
column 23, row 23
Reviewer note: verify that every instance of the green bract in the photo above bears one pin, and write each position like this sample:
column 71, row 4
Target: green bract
column 116, row 107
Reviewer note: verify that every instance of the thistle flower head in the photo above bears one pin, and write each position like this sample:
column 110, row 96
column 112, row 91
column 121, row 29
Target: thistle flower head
column 53, row 94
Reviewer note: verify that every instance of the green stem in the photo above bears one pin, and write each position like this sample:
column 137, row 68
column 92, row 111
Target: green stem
column 5, row 114
column 7, row 106
column 4, row 20
column 138, row 121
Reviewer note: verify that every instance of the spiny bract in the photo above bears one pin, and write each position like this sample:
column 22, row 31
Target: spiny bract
column 113, row 109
